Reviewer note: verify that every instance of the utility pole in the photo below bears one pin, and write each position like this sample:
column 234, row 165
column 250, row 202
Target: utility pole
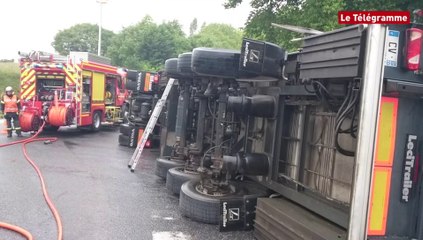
column 101, row 2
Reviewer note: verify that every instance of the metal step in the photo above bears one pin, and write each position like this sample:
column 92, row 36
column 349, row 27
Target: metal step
column 279, row 218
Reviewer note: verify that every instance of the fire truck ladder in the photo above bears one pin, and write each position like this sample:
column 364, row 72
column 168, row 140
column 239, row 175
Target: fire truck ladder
column 78, row 97
column 150, row 126
column 76, row 74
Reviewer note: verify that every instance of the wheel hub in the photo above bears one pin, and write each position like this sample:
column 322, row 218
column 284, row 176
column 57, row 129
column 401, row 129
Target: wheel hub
column 97, row 121
column 210, row 189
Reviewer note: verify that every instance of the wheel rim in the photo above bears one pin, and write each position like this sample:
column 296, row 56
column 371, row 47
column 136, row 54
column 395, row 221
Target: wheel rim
column 96, row 120
column 219, row 192
column 183, row 170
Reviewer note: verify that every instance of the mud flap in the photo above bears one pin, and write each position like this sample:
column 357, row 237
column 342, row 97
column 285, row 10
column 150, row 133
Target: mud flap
column 237, row 214
column 135, row 136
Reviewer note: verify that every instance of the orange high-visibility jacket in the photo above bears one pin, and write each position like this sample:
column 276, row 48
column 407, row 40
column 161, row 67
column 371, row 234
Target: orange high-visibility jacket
column 10, row 104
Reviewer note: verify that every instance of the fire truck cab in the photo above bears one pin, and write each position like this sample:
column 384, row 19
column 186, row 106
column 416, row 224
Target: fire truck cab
column 81, row 89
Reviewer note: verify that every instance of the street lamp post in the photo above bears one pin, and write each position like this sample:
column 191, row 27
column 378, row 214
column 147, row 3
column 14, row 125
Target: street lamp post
column 101, row 2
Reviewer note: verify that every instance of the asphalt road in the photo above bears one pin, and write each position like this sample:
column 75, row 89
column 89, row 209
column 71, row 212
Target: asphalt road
column 95, row 193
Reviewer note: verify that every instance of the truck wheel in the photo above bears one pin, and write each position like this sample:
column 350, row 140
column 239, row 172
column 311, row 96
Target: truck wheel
column 125, row 129
column 96, row 125
column 123, row 140
column 215, row 62
column 125, row 112
column 205, row 208
column 171, row 68
column 184, row 64
column 142, row 98
column 178, row 176
column 163, row 165
column 131, row 85
column 132, row 75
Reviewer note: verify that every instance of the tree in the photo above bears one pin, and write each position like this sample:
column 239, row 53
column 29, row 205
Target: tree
column 81, row 37
column 348, row 4
column 316, row 14
column 383, row 5
column 193, row 27
column 217, row 35
column 292, row 12
column 259, row 27
column 146, row 45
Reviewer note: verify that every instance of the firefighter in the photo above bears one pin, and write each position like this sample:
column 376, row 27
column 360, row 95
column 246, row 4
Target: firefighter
column 10, row 105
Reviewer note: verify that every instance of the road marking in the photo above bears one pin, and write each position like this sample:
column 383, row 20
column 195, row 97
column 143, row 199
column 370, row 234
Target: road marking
column 170, row 236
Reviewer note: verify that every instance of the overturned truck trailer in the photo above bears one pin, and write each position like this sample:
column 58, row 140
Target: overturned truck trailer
column 344, row 150
column 329, row 135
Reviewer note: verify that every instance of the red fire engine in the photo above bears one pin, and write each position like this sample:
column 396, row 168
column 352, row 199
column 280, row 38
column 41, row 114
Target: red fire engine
column 81, row 89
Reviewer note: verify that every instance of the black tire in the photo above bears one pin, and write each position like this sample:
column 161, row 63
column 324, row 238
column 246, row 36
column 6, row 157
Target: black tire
column 96, row 125
column 163, row 165
column 171, row 68
column 137, row 85
column 125, row 112
column 184, row 64
column 123, row 140
column 205, row 208
column 132, row 75
column 125, row 129
column 137, row 102
column 142, row 98
column 215, row 62
column 131, row 86
column 177, row 176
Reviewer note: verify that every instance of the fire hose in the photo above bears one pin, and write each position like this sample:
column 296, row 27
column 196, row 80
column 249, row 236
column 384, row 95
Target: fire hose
column 50, row 204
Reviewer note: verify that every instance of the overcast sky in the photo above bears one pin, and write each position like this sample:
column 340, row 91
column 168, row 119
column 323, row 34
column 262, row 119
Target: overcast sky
column 27, row 25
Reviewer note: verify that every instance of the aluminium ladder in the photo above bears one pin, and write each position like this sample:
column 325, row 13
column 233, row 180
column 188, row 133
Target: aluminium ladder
column 150, row 126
